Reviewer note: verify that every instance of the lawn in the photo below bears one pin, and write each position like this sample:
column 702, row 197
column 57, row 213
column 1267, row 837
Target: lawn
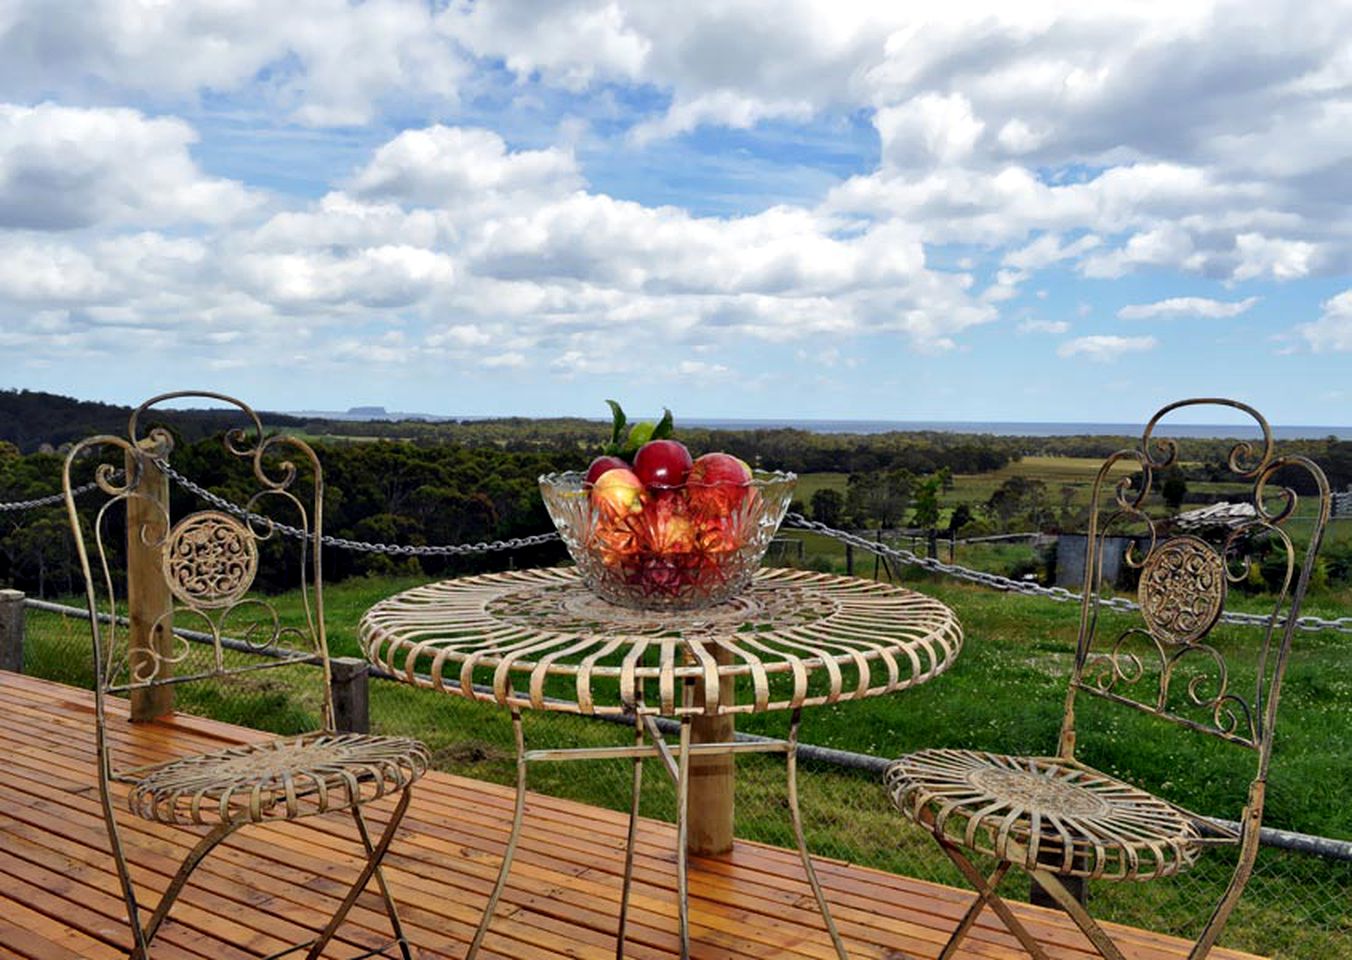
column 1005, row 694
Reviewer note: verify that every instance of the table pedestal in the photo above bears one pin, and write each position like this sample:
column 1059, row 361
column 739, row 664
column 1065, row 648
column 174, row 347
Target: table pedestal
column 650, row 743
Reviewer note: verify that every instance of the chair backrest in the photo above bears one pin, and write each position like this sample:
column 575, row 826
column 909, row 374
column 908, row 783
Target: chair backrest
column 174, row 600
column 1166, row 663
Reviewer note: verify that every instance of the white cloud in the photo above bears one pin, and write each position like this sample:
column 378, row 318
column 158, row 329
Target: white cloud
column 1187, row 307
column 929, row 129
column 63, row 168
column 1333, row 330
column 444, row 166
column 719, row 108
column 325, row 61
column 1273, row 257
column 1043, row 326
column 1104, row 348
column 1013, row 140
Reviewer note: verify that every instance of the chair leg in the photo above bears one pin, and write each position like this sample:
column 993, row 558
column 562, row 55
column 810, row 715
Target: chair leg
column 986, row 895
column 1051, row 883
column 682, row 825
column 372, row 864
column 1248, row 853
column 194, row 859
column 796, row 818
column 629, row 843
column 390, row 907
column 518, row 814
column 969, row 918
column 140, row 946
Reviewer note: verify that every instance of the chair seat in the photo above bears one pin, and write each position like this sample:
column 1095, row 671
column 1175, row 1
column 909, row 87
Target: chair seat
column 1044, row 812
column 282, row 779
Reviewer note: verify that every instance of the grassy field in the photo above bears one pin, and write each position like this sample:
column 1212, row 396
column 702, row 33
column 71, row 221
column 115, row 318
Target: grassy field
column 1004, row 694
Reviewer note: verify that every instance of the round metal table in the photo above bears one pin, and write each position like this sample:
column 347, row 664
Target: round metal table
column 539, row 640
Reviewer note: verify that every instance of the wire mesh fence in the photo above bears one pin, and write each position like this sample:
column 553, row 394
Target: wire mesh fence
column 1297, row 905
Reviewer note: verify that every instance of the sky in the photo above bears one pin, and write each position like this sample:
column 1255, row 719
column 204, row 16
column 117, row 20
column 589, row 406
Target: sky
column 732, row 208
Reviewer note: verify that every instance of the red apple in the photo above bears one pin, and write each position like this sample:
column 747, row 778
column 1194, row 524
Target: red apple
column 603, row 464
column 618, row 492
column 616, row 538
column 717, row 484
column 667, row 528
column 662, row 463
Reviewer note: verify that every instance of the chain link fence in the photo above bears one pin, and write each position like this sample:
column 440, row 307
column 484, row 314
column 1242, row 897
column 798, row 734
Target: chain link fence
column 1298, row 905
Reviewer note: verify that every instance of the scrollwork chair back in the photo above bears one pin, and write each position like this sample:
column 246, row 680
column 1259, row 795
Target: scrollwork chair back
column 196, row 615
column 1056, row 817
column 217, row 625
column 1166, row 664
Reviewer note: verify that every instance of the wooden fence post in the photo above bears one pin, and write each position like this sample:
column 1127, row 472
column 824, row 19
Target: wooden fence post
column 150, row 605
column 350, row 686
column 1077, row 887
column 712, row 778
column 11, row 630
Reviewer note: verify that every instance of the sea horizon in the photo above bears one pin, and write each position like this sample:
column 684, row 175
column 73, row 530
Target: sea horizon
column 1005, row 428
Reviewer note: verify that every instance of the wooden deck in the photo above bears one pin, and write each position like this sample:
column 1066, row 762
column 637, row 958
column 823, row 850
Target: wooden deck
column 269, row 887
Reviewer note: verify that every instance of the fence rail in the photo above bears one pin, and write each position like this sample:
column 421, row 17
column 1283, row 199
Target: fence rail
column 793, row 521
column 863, row 762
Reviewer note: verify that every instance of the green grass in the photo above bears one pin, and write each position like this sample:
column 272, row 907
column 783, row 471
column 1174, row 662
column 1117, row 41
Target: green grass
column 1005, row 693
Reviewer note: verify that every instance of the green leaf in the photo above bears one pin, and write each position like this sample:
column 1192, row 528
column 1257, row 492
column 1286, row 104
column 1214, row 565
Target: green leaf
column 664, row 427
column 618, row 421
column 639, row 434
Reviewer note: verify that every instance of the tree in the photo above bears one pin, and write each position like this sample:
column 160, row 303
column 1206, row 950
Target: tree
column 882, row 496
column 1174, row 488
column 1019, row 497
column 926, row 513
column 828, row 505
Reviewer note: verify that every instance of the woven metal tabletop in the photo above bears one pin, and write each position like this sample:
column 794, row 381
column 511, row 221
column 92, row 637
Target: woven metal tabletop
column 538, row 639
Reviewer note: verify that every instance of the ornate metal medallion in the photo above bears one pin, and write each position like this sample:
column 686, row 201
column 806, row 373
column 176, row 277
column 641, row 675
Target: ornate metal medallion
column 572, row 608
column 1044, row 791
column 1182, row 589
column 210, row 559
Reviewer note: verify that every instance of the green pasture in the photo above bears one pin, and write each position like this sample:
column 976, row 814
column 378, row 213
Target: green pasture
column 1005, row 693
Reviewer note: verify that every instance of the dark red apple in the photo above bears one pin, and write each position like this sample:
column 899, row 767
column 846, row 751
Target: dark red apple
column 662, row 463
column 601, row 464
column 717, row 483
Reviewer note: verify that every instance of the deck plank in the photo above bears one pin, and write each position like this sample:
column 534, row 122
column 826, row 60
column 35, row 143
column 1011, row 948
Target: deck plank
column 271, row 885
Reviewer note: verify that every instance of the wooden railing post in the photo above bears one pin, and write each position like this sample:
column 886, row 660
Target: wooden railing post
column 712, row 778
column 150, row 605
column 11, row 630
column 350, row 685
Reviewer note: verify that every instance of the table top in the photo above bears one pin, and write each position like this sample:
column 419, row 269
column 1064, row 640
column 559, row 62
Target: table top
column 539, row 639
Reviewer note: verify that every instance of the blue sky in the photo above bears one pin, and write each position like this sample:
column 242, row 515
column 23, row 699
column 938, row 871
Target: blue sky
column 734, row 209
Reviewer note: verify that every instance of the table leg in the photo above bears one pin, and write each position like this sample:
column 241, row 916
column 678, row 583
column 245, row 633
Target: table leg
column 518, row 814
column 796, row 817
column 629, row 843
column 682, row 818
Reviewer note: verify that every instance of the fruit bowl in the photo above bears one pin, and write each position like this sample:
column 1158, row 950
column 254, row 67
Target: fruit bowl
column 679, row 547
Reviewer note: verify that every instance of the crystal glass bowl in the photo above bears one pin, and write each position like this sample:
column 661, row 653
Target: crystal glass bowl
column 670, row 548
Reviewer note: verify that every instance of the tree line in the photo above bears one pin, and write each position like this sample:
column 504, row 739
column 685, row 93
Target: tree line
column 423, row 483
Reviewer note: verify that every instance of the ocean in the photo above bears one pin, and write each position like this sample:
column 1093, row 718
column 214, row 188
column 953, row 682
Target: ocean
column 1004, row 428
column 1026, row 429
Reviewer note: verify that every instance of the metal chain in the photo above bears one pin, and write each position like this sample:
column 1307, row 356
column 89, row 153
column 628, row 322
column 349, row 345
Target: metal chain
column 394, row 549
column 48, row 501
column 1027, row 588
column 792, row 520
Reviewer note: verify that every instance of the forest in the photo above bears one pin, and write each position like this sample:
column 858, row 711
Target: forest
column 421, row 483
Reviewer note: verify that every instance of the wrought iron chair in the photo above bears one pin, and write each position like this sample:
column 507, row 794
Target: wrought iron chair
column 207, row 561
column 1057, row 818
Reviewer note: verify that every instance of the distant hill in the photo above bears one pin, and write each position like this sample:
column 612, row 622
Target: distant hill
column 31, row 418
